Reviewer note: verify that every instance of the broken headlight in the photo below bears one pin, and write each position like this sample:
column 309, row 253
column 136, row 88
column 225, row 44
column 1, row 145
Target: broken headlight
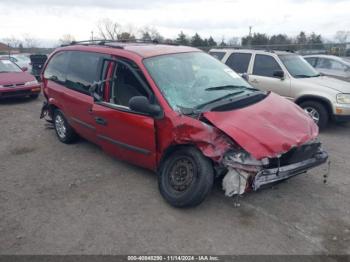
column 243, row 160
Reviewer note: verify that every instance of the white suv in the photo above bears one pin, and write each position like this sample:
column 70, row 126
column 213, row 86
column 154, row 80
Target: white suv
column 289, row 75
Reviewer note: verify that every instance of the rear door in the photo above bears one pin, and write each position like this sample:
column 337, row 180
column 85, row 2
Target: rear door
column 126, row 134
column 239, row 62
column 263, row 78
column 69, row 83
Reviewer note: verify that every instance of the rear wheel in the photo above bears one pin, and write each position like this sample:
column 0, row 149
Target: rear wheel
column 186, row 177
column 317, row 112
column 64, row 131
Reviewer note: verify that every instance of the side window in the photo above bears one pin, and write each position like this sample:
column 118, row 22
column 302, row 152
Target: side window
column 265, row 65
column 126, row 84
column 239, row 62
column 217, row 55
column 311, row 60
column 83, row 70
column 56, row 69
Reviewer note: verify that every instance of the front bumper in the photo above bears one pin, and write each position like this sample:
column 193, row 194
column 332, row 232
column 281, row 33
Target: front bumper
column 268, row 176
column 341, row 112
column 19, row 91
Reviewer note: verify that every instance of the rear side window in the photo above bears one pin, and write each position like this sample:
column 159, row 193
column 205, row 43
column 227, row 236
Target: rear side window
column 265, row 65
column 56, row 69
column 217, row 55
column 239, row 62
column 311, row 60
column 83, row 70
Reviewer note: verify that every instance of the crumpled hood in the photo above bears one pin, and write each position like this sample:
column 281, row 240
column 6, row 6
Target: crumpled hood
column 268, row 128
column 15, row 78
column 330, row 82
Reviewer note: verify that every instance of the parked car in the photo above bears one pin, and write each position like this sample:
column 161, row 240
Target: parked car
column 15, row 81
column 179, row 112
column 330, row 65
column 289, row 75
column 22, row 60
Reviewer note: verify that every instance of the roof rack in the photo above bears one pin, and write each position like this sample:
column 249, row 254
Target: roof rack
column 107, row 42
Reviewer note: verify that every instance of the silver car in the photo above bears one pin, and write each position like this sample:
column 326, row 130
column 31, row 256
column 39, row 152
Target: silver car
column 334, row 66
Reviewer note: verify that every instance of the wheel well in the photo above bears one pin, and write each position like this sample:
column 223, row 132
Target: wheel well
column 320, row 100
column 217, row 168
column 51, row 110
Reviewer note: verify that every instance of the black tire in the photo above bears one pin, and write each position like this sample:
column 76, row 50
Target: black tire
column 66, row 135
column 34, row 96
column 321, row 111
column 189, row 164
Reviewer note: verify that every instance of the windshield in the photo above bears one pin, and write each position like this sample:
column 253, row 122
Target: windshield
column 190, row 80
column 22, row 58
column 298, row 67
column 7, row 66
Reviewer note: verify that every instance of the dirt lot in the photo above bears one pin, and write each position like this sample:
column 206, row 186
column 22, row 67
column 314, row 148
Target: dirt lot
column 60, row 199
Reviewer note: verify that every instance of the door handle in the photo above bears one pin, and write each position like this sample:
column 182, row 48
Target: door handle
column 255, row 81
column 100, row 121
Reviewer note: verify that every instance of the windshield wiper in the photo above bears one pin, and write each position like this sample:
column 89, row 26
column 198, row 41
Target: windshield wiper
column 218, row 99
column 226, row 87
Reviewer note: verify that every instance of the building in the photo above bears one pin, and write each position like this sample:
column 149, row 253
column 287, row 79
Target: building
column 3, row 48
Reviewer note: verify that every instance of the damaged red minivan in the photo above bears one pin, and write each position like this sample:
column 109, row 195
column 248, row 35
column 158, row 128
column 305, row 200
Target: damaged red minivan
column 179, row 112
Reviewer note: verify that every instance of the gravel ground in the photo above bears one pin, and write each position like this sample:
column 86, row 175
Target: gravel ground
column 75, row 199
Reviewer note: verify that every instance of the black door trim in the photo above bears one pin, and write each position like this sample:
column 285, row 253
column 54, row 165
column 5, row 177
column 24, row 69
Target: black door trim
column 126, row 146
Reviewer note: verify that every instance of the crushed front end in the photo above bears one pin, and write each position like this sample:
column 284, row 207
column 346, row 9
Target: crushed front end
column 246, row 173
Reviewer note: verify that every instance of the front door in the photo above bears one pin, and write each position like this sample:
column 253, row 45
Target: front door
column 123, row 133
column 263, row 78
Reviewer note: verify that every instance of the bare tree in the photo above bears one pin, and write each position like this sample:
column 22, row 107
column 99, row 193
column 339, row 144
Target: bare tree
column 149, row 33
column 342, row 36
column 12, row 42
column 66, row 39
column 30, row 41
column 108, row 29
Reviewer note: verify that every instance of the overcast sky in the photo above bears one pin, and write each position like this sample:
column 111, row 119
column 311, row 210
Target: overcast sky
column 50, row 19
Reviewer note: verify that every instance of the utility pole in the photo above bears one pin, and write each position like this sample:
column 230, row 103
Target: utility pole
column 250, row 36
column 92, row 35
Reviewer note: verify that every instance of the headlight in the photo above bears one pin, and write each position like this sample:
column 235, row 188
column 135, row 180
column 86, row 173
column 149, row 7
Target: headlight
column 31, row 83
column 343, row 98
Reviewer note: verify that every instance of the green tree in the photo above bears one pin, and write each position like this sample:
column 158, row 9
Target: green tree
column 301, row 38
column 196, row 40
column 211, row 41
column 182, row 39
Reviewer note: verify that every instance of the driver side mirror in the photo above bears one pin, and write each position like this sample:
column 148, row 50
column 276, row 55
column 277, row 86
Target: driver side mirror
column 142, row 104
column 24, row 69
column 279, row 74
column 245, row 76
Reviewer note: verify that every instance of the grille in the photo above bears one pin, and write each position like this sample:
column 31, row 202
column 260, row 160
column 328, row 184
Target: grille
column 296, row 155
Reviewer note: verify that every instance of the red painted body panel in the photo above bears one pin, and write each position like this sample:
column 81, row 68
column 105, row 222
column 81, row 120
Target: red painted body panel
column 127, row 136
column 15, row 78
column 268, row 128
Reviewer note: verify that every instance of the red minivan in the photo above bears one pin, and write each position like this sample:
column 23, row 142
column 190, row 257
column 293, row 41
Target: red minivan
column 179, row 112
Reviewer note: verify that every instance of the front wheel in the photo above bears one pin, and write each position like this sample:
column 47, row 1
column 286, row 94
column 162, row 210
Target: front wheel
column 186, row 177
column 317, row 112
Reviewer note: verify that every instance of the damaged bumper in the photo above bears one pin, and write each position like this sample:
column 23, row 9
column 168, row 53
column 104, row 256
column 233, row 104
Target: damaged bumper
column 246, row 173
column 267, row 176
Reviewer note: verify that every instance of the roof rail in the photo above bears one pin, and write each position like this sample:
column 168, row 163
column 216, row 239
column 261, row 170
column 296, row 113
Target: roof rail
column 108, row 41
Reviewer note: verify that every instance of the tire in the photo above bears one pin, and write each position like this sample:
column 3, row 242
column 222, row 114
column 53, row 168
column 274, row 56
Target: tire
column 313, row 107
column 186, row 177
column 34, row 96
column 64, row 131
